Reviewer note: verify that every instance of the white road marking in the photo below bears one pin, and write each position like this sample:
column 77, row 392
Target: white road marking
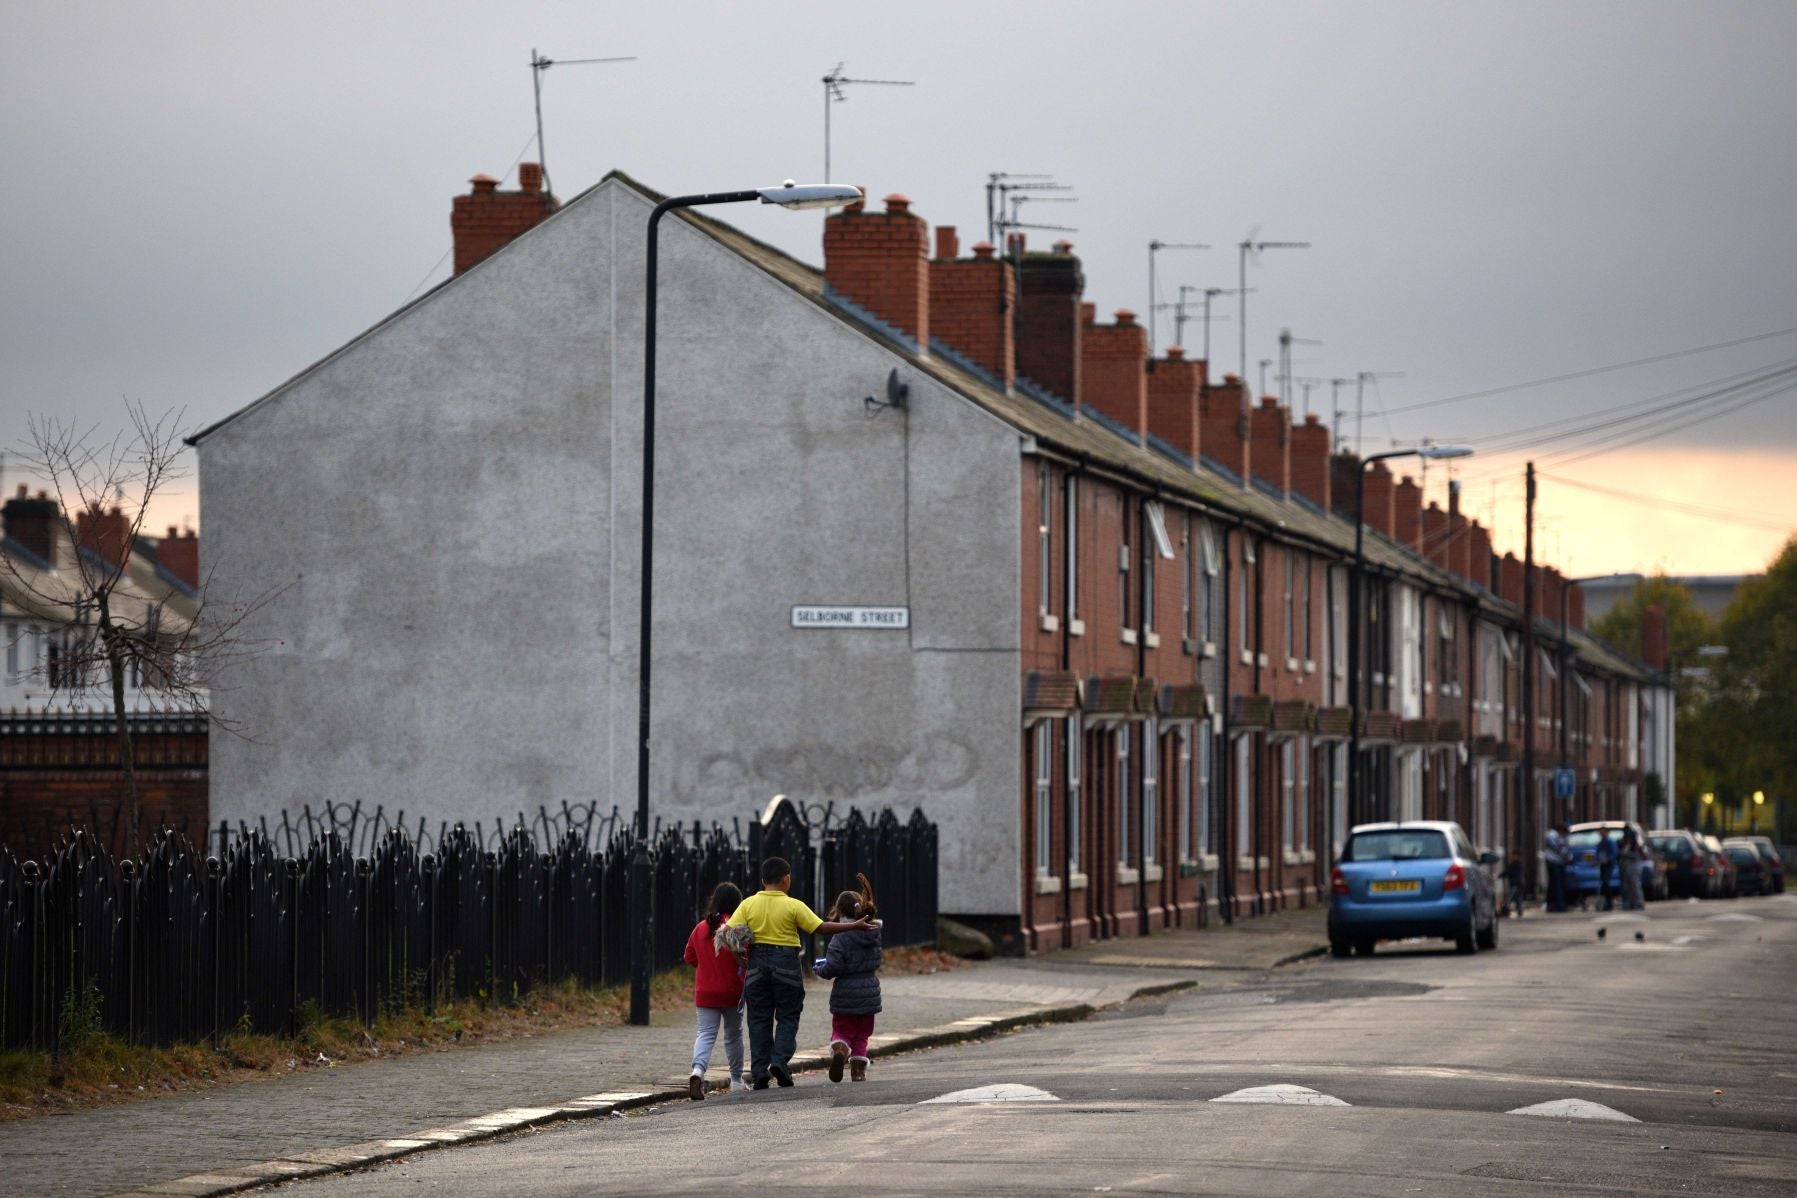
column 1682, row 941
column 1575, row 1108
column 1735, row 917
column 1281, row 1095
column 1622, row 917
column 1003, row 1092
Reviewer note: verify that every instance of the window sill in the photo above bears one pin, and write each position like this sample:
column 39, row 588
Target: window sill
column 1306, row 857
column 1310, row 667
column 1247, row 658
column 1289, row 857
column 1261, row 660
column 1245, row 864
column 1127, row 876
column 1048, row 623
column 1205, row 863
column 1076, row 628
column 1151, row 639
column 1291, row 664
column 1129, row 636
column 1152, row 872
column 1078, row 882
column 1210, row 649
column 1047, row 884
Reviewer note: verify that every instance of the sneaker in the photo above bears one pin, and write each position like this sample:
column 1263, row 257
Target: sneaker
column 760, row 1083
column 695, row 1087
column 781, row 1074
column 738, row 1085
column 839, row 1056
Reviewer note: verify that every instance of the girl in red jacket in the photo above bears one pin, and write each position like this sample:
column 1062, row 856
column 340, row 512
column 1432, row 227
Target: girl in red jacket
column 717, row 992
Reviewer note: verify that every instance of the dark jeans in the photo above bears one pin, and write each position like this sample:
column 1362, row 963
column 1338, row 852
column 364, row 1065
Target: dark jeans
column 775, row 990
column 1556, row 887
column 1604, row 870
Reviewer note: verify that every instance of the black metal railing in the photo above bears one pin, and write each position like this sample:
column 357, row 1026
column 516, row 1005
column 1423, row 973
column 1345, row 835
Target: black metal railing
column 349, row 914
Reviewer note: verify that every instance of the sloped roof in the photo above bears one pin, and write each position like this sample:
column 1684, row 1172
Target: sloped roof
column 1079, row 437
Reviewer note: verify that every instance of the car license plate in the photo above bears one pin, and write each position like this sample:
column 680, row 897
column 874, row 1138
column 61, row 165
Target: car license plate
column 1410, row 887
column 1590, row 858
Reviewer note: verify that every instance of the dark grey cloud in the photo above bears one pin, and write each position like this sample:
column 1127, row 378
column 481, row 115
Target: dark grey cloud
column 201, row 200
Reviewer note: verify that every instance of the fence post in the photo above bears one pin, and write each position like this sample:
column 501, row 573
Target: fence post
column 293, row 948
column 215, row 901
column 128, row 896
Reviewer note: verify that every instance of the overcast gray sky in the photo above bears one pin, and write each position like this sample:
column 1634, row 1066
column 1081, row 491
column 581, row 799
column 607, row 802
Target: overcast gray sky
column 201, row 199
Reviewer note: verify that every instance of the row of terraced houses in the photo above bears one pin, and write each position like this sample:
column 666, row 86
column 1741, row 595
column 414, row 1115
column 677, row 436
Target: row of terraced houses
column 1119, row 676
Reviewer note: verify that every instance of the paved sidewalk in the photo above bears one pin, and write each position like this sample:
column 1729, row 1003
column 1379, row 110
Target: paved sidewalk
column 318, row 1121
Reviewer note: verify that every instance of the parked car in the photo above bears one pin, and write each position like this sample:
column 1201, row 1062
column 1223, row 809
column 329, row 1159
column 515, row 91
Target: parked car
column 1775, row 864
column 1751, row 875
column 1727, row 885
column 1415, row 878
column 1581, row 875
column 1685, row 863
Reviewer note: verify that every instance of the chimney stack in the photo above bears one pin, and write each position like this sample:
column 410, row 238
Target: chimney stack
column 1510, row 579
column 1311, row 464
column 1575, row 606
column 106, row 533
column 1459, row 546
column 1407, row 514
column 1435, row 535
column 486, row 219
column 1224, row 417
column 1271, row 428
column 881, row 263
column 1381, row 501
column 1114, row 371
column 1174, row 383
column 1048, row 321
column 1653, row 637
column 1478, row 549
column 179, row 554
column 971, row 300
column 31, row 523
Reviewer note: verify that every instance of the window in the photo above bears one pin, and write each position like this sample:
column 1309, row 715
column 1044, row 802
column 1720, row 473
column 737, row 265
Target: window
column 1125, row 845
column 1303, row 792
column 1044, row 796
column 1072, row 535
column 1123, row 604
column 1185, row 580
column 1338, row 791
column 1204, row 793
column 1291, row 616
column 1045, row 543
column 1183, row 790
column 1305, row 620
column 1243, row 591
column 1151, row 791
column 1444, row 657
column 1243, row 789
column 1288, row 781
column 1208, row 583
column 1162, row 546
column 1074, row 733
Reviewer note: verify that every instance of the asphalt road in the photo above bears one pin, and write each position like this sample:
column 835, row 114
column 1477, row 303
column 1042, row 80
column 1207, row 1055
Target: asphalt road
column 1399, row 1074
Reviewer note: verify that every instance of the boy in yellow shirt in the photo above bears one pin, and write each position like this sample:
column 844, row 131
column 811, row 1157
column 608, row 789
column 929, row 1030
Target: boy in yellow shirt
column 774, row 987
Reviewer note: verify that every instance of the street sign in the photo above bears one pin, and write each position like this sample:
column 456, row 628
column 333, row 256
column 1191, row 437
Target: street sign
column 1564, row 783
column 851, row 617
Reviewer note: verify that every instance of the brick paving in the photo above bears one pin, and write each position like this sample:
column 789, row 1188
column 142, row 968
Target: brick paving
column 166, row 1143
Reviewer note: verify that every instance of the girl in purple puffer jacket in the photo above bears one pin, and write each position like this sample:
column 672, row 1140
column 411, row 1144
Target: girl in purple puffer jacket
column 852, row 962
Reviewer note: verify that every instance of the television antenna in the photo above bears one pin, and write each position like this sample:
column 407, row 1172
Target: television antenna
column 1154, row 300
column 539, row 64
column 1000, row 185
column 1360, row 382
column 834, row 82
column 1286, row 341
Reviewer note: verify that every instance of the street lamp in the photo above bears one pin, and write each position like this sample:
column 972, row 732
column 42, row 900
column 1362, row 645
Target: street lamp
column 787, row 195
column 1753, row 814
column 1708, row 816
column 1356, row 801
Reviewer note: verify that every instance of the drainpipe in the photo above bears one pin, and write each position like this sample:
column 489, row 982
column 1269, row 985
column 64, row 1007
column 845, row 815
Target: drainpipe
column 1257, row 796
column 1223, row 766
column 1142, row 598
column 1068, row 557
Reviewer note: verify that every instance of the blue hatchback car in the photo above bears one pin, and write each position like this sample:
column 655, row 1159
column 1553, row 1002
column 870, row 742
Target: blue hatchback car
column 1416, row 878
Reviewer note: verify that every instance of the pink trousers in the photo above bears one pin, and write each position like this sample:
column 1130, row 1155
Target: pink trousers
column 852, row 1030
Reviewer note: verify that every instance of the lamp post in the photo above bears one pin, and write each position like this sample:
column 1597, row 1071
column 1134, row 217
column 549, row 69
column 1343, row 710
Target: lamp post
column 789, row 195
column 1753, row 813
column 1356, row 801
column 1708, row 818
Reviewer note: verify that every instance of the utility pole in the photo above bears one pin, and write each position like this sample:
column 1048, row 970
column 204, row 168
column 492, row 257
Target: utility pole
column 1528, row 833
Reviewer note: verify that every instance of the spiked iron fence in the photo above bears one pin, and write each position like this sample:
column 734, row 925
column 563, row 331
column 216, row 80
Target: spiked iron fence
column 360, row 916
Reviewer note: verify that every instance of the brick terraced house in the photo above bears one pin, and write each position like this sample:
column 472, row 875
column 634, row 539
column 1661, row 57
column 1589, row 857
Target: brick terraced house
column 1120, row 678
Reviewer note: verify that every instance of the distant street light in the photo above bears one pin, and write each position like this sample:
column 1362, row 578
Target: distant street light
column 787, row 195
column 1357, row 812
column 1753, row 816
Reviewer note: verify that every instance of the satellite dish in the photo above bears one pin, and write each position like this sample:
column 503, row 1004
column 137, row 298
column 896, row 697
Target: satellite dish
column 897, row 393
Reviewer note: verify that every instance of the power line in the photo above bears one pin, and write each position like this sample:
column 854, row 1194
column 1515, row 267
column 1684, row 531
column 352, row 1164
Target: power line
column 1661, row 432
column 1580, row 374
column 431, row 273
column 1693, row 509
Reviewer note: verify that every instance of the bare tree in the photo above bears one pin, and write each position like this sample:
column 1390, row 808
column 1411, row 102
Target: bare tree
column 109, row 625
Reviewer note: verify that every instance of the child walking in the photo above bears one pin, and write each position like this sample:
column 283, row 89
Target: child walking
column 774, row 987
column 852, row 962
column 717, row 992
